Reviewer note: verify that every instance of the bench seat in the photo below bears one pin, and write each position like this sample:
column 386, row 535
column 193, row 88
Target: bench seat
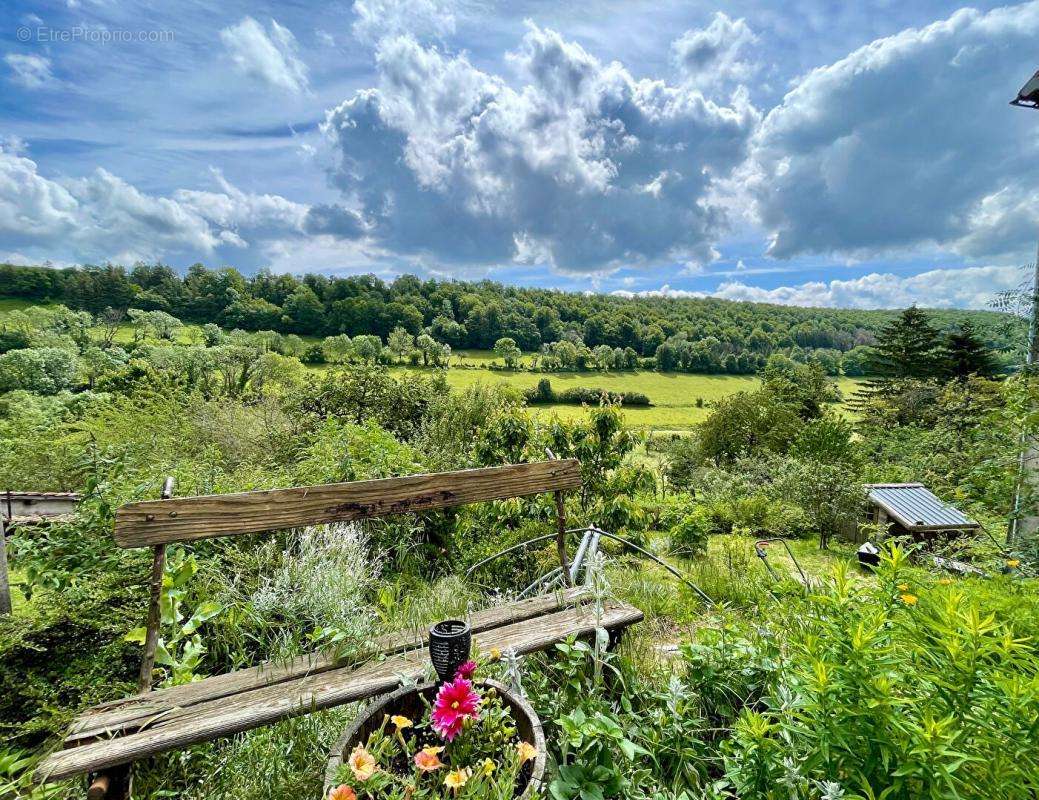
column 124, row 731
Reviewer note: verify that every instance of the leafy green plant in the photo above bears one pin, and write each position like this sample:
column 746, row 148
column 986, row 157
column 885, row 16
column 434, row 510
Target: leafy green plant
column 180, row 648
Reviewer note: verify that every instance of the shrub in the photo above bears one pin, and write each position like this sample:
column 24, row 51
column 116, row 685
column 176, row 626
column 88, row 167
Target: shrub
column 44, row 370
column 582, row 395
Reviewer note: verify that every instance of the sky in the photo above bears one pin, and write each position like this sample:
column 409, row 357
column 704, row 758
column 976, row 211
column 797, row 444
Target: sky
column 808, row 152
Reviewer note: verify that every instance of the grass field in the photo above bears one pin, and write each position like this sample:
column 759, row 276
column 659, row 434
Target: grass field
column 674, row 395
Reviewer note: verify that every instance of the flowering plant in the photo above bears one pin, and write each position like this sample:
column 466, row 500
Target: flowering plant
column 465, row 747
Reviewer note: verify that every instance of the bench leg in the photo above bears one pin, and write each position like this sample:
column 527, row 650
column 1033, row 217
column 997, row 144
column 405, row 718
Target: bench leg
column 113, row 784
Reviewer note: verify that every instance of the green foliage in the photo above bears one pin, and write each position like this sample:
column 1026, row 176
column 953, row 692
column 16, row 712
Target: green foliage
column 743, row 424
column 44, row 370
column 179, row 648
column 691, row 335
column 362, row 392
column 907, row 348
column 898, row 693
column 581, row 395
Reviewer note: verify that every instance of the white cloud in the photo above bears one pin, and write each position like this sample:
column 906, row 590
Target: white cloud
column 102, row 216
column 712, row 58
column 581, row 166
column 32, row 72
column 970, row 287
column 268, row 57
column 663, row 291
column 378, row 19
column 907, row 143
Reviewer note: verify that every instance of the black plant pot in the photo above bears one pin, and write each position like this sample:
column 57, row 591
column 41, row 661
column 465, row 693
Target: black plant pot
column 869, row 556
column 450, row 643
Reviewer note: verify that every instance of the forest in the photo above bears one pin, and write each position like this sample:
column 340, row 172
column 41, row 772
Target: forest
column 564, row 328
column 816, row 681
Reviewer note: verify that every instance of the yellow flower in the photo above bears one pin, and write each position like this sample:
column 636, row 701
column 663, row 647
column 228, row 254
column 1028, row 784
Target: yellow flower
column 457, row 778
column 945, row 581
column 401, row 722
column 495, row 654
column 488, row 766
column 903, row 587
column 909, row 599
column 527, row 751
column 1013, row 562
column 362, row 763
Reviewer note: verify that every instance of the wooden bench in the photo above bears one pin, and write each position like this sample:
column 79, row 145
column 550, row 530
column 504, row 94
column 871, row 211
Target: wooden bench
column 103, row 741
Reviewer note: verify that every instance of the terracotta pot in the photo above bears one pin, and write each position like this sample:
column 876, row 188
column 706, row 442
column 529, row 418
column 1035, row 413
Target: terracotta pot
column 407, row 702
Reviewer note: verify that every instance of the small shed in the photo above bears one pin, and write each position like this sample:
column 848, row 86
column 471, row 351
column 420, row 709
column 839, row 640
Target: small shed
column 911, row 509
column 26, row 507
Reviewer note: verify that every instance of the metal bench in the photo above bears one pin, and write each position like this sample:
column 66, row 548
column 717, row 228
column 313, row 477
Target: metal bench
column 104, row 741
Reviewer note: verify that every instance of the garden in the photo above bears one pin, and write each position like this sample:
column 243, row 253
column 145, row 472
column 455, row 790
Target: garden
column 906, row 681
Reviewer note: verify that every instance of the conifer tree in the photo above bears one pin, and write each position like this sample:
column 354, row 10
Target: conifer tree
column 966, row 354
column 909, row 347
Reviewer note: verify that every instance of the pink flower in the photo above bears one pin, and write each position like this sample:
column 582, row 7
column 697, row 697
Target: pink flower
column 466, row 670
column 456, row 702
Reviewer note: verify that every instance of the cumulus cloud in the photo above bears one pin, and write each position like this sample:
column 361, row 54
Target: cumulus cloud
column 102, row 216
column 378, row 19
column 905, row 143
column 714, row 57
column 30, row 71
column 268, row 56
column 663, row 291
column 970, row 287
column 581, row 166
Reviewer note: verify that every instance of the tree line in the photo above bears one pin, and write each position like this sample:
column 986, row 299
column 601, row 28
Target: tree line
column 565, row 330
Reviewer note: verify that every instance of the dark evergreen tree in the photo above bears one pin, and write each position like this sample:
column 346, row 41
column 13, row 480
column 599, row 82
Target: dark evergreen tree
column 965, row 354
column 908, row 347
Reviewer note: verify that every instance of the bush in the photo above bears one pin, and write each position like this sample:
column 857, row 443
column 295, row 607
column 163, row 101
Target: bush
column 44, row 370
column 690, row 530
column 581, row 395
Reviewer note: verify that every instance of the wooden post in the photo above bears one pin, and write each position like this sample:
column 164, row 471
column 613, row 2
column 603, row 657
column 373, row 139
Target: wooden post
column 5, row 581
column 117, row 783
column 561, row 538
column 151, row 637
column 560, row 528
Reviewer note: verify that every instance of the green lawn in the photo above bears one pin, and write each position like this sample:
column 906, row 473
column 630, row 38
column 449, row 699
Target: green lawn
column 674, row 395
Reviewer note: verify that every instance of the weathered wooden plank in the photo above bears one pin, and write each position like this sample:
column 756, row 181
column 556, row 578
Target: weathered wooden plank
column 130, row 713
column 152, row 522
column 315, row 692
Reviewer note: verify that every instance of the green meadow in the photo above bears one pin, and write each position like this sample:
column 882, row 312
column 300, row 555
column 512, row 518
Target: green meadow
column 674, row 394
column 680, row 400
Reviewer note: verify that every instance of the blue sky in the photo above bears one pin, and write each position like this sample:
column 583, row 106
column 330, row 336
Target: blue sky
column 809, row 152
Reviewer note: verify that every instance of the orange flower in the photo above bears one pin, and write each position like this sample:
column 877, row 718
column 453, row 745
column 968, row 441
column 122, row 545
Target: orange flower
column 342, row 792
column 527, row 751
column 909, row 599
column 362, row 763
column 428, row 759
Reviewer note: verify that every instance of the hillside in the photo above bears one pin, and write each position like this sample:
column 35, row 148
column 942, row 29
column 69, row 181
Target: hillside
column 702, row 335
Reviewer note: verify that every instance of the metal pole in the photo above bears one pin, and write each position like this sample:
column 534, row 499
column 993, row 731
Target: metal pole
column 1023, row 527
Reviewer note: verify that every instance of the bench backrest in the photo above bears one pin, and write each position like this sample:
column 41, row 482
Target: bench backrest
column 158, row 522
